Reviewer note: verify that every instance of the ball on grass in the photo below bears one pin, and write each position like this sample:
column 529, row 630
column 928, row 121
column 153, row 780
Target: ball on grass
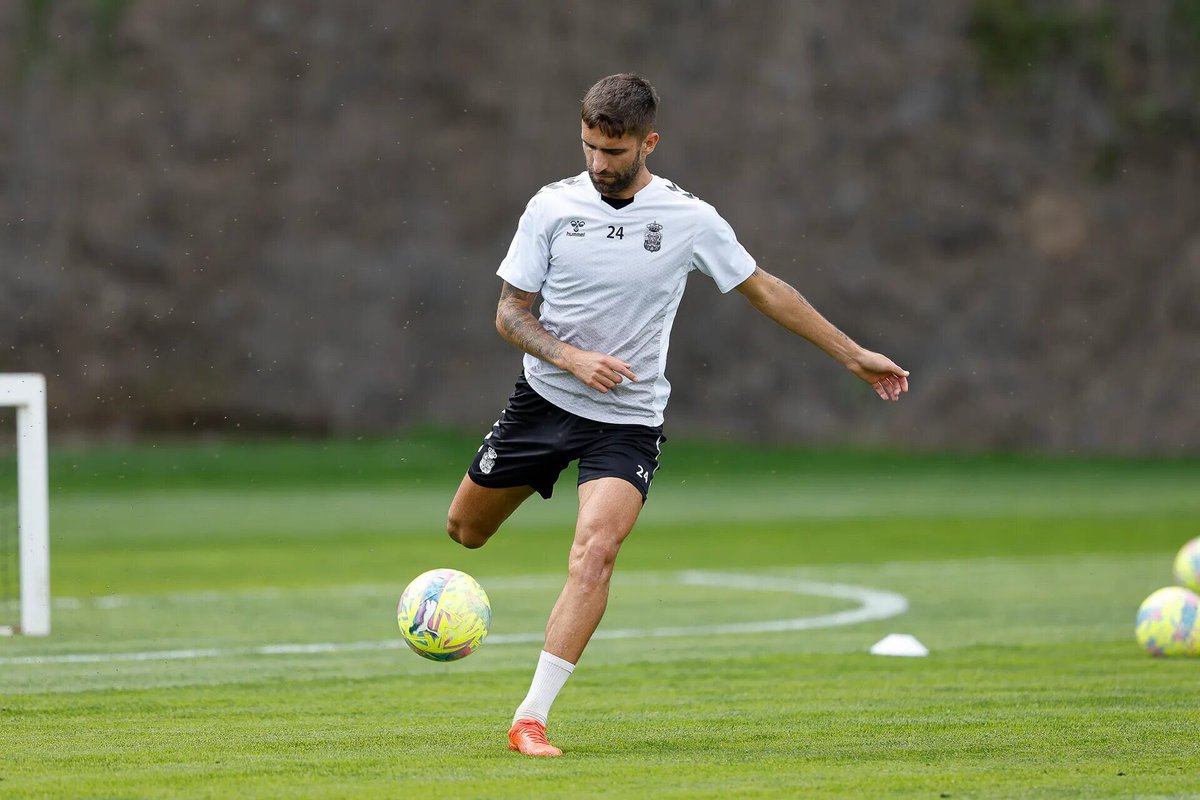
column 1167, row 624
column 444, row 615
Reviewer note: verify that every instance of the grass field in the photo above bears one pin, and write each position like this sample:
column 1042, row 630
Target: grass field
column 224, row 627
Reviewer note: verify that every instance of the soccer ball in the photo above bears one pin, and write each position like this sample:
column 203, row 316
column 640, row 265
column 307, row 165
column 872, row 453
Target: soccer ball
column 1187, row 565
column 1167, row 624
column 444, row 615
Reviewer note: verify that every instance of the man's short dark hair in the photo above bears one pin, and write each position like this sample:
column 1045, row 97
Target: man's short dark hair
column 621, row 104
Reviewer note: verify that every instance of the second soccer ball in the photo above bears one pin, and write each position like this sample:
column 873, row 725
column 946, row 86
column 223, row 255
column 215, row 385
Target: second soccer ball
column 1187, row 565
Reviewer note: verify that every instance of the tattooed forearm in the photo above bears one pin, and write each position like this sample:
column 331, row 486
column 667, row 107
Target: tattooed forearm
column 519, row 327
column 516, row 323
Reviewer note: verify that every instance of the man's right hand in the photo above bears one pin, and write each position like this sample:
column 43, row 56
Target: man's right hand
column 597, row 370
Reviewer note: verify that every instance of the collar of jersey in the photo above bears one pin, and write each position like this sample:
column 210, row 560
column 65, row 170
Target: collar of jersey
column 634, row 204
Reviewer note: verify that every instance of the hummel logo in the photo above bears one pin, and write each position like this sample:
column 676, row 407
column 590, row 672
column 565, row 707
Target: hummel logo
column 576, row 225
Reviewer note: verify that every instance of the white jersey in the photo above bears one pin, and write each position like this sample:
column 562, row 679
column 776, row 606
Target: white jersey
column 611, row 281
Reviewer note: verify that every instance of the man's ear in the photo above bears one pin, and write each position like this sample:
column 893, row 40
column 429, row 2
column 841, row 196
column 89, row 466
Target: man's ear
column 649, row 143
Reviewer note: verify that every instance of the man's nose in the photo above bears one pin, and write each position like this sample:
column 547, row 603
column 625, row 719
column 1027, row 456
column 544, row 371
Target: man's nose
column 598, row 162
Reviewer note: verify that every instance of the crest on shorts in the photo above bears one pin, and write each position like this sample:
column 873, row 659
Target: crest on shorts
column 488, row 461
column 653, row 241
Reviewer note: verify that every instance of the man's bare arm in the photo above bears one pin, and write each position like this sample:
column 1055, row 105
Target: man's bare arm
column 781, row 302
column 516, row 323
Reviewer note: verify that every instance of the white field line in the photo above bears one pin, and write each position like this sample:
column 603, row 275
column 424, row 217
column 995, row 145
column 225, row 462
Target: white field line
column 874, row 604
column 111, row 601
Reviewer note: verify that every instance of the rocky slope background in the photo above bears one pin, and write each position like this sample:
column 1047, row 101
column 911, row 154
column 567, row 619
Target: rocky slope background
column 286, row 216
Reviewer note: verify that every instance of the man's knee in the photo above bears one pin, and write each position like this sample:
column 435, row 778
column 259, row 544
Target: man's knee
column 593, row 557
column 464, row 533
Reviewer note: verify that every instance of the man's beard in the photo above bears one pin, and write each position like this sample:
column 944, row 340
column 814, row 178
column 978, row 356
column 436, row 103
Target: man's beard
column 615, row 184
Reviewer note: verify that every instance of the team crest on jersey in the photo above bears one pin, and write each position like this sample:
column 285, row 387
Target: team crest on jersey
column 653, row 241
column 576, row 226
column 488, row 461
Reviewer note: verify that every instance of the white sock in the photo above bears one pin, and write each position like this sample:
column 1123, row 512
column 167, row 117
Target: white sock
column 551, row 673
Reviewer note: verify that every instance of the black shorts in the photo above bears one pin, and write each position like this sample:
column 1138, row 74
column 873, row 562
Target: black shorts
column 534, row 441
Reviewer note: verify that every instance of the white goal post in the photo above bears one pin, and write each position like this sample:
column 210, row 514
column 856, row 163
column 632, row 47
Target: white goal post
column 27, row 393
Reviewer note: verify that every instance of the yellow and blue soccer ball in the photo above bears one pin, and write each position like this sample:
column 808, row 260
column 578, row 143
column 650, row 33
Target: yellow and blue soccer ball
column 1187, row 565
column 1167, row 624
column 444, row 615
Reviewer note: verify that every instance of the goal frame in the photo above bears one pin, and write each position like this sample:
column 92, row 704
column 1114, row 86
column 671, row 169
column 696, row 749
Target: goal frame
column 27, row 393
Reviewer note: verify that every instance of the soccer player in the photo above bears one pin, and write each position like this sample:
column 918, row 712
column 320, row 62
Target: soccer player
column 608, row 251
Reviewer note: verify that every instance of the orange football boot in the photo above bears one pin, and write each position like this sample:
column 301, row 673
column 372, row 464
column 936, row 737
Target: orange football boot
column 528, row 736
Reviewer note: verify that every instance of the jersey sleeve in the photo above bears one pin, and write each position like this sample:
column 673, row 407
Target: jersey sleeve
column 528, row 257
column 717, row 253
